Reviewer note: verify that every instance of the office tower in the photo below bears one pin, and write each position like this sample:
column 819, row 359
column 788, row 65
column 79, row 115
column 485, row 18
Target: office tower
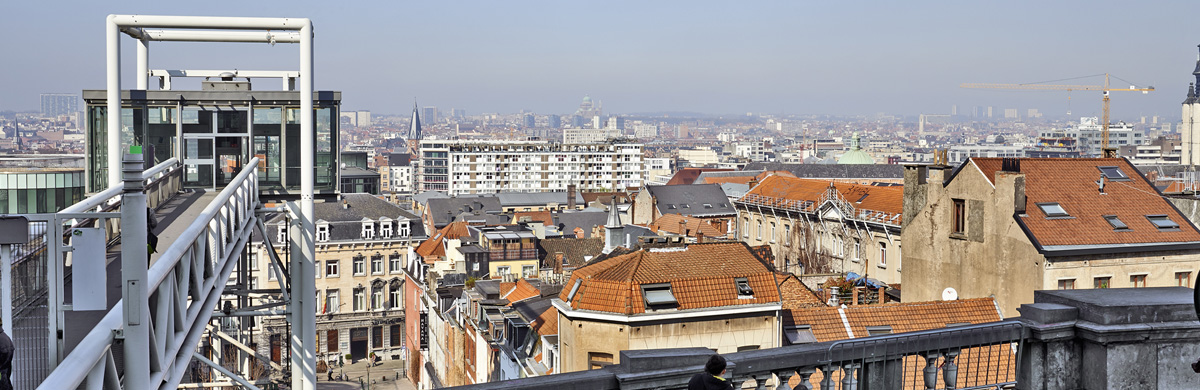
column 596, row 122
column 576, row 121
column 431, row 114
column 55, row 104
column 528, row 121
column 553, row 121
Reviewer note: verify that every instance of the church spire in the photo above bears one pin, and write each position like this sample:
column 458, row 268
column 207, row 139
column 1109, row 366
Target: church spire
column 614, row 229
column 414, row 128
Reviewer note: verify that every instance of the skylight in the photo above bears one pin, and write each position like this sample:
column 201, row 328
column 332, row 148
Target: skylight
column 658, row 296
column 743, row 287
column 1113, row 173
column 862, row 198
column 1053, row 210
column 1162, row 222
column 879, row 330
column 1116, row 223
column 574, row 289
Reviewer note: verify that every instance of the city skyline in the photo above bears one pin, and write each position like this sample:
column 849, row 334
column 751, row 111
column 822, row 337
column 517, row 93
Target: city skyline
column 711, row 58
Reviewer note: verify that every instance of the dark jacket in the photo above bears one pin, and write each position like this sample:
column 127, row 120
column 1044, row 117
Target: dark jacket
column 704, row 381
column 6, row 358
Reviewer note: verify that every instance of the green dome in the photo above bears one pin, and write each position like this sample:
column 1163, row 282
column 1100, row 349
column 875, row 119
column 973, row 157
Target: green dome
column 856, row 155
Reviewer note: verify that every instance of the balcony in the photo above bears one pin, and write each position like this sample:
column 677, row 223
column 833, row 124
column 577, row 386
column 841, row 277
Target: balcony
column 1067, row 339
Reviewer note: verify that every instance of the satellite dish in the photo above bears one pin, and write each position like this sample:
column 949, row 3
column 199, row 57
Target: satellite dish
column 949, row 294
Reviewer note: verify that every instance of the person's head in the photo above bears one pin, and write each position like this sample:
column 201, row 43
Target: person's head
column 716, row 365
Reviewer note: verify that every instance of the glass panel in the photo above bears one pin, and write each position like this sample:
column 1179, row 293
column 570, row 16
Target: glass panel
column 268, row 116
column 98, row 142
column 196, row 120
column 4, row 201
column 324, row 164
column 232, row 121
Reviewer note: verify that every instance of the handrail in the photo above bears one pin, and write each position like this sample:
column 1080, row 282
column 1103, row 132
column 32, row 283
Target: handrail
column 162, row 166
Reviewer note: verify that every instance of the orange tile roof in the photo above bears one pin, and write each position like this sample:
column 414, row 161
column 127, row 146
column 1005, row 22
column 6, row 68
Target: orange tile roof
column 701, row 276
column 1071, row 182
column 888, row 199
column 670, row 223
column 435, row 246
column 742, row 179
column 795, row 295
column 522, row 290
column 544, row 217
column 547, row 323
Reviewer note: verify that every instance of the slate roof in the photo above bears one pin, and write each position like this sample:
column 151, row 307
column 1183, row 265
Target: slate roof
column 345, row 224
column 445, row 210
column 700, row 275
column 588, row 220
column 833, row 171
column 689, row 175
column 737, row 177
column 1071, row 182
column 605, row 197
column 517, row 199
column 574, row 250
column 690, row 200
column 692, row 227
column 889, row 199
column 424, row 197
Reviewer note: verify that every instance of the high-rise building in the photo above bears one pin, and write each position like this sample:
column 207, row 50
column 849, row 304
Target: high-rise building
column 484, row 167
column 55, row 104
column 553, row 121
column 528, row 121
column 576, row 121
column 458, row 113
column 589, row 136
column 596, row 122
column 431, row 114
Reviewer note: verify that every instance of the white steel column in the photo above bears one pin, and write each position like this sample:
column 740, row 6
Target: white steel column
column 112, row 34
column 134, row 289
column 143, row 64
column 304, row 291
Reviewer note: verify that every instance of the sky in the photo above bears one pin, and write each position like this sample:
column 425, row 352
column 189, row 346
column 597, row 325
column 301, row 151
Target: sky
column 721, row 58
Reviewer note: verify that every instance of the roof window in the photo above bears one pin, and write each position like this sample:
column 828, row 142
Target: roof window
column 743, row 287
column 1116, row 223
column 879, row 330
column 1113, row 173
column 1162, row 222
column 659, row 296
column 1053, row 210
column 862, row 198
column 799, row 334
column 574, row 289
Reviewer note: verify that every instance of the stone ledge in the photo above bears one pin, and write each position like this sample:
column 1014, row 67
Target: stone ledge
column 1114, row 306
column 1048, row 313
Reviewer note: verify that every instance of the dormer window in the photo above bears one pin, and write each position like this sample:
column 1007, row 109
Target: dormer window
column 1162, row 222
column 743, row 288
column 1116, row 223
column 659, row 296
column 282, row 238
column 368, row 228
column 879, row 330
column 385, row 228
column 1053, row 210
column 322, row 231
column 402, row 229
column 1113, row 173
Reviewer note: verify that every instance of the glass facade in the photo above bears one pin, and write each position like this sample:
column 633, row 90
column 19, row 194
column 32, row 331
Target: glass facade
column 40, row 192
column 221, row 131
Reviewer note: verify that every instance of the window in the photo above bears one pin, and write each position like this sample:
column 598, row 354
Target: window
column 799, row 334
column 857, row 250
column 960, row 217
column 883, row 254
column 528, row 271
column 360, row 299
column 403, row 230
column 574, row 289
column 1162, row 222
column 1113, row 173
column 377, row 264
column 360, row 265
column 368, row 228
column 1116, row 223
column 743, row 288
column 377, row 337
column 1053, row 210
column 1102, row 282
column 331, row 340
column 331, row 268
column 385, row 229
column 1183, row 279
column 395, row 265
column 787, row 235
column 658, row 296
column 322, row 232
column 598, row 360
column 1137, row 281
column 397, row 296
column 746, row 227
column 271, row 274
column 747, row 348
column 377, row 298
column 772, row 232
column 1066, row 284
column 282, row 236
column 396, row 338
column 331, row 301
column 502, row 270
column 879, row 330
column 760, row 230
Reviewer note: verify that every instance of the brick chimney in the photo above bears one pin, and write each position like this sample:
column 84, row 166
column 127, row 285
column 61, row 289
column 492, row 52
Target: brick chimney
column 571, row 196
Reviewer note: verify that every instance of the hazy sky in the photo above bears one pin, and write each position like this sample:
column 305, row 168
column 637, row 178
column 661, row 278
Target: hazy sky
column 794, row 57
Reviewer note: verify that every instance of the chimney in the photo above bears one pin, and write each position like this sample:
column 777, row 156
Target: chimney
column 571, row 196
column 345, row 205
column 558, row 263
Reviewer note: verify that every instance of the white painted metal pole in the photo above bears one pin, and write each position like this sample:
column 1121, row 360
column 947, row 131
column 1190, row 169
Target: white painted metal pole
column 134, row 287
column 6, row 295
column 222, row 36
column 143, row 64
column 113, row 103
column 209, row 22
column 308, row 290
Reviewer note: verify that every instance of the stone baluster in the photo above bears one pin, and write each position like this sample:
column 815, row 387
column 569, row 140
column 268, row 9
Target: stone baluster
column 805, row 373
column 760, row 380
column 950, row 370
column 783, row 377
column 849, row 382
column 827, row 377
column 931, row 370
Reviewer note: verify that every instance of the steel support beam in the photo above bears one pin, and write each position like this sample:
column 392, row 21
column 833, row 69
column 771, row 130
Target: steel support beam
column 134, row 289
column 241, row 381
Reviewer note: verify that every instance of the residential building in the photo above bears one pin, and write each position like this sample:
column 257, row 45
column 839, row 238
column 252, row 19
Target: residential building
column 363, row 245
column 486, row 167
column 715, row 295
column 817, row 226
column 705, row 202
column 848, row 173
column 589, row 136
column 1008, row 227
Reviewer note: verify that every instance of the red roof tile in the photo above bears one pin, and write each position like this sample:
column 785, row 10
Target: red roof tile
column 779, row 188
column 521, row 291
column 544, row 217
column 435, row 246
column 701, row 276
column 689, row 175
column 547, row 323
column 1071, row 182
column 692, row 227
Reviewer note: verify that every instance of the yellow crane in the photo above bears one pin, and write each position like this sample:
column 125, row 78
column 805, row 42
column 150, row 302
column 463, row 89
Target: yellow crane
column 1108, row 152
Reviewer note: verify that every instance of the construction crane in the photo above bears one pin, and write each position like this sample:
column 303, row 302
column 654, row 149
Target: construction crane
column 1108, row 152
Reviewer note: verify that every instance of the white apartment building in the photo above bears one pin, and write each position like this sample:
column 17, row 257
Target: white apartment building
column 487, row 167
column 699, row 157
column 1088, row 134
column 644, row 130
column 752, row 150
column 589, row 136
column 400, row 178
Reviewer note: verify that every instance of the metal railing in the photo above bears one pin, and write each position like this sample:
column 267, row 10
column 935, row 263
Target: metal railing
column 980, row 356
column 185, row 284
column 810, row 207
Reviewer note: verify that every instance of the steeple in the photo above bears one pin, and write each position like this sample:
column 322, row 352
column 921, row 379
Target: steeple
column 414, row 128
column 614, row 229
column 1197, row 71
